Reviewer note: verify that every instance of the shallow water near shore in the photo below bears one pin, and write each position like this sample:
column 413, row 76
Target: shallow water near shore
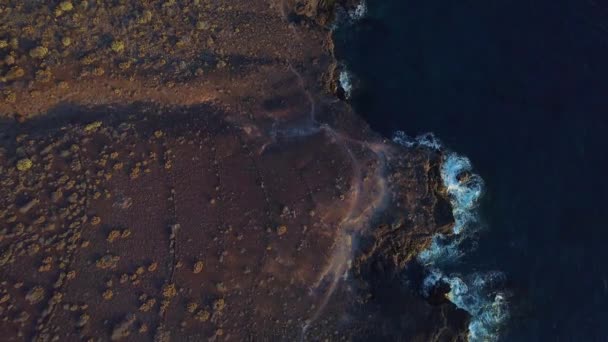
column 519, row 89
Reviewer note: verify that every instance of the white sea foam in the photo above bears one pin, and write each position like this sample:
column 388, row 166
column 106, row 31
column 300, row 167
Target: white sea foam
column 464, row 189
column 359, row 12
column 474, row 293
column 442, row 251
column 428, row 140
column 345, row 80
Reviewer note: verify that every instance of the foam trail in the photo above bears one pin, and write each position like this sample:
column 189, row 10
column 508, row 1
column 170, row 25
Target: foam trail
column 475, row 293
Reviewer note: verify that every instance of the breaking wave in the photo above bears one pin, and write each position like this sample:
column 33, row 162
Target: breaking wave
column 359, row 12
column 346, row 17
column 345, row 80
column 464, row 188
column 478, row 293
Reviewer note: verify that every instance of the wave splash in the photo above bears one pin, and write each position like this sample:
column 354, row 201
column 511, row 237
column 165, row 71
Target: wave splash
column 345, row 80
column 358, row 12
column 478, row 293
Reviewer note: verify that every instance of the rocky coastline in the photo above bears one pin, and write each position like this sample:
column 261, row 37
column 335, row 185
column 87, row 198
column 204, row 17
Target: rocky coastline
column 183, row 170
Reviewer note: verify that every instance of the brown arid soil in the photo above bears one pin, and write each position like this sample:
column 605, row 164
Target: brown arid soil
column 181, row 170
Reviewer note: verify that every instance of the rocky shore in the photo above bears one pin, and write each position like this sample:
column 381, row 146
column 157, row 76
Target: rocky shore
column 182, row 170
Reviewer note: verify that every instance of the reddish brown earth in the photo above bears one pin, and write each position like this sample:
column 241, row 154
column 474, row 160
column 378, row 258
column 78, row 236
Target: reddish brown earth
column 242, row 202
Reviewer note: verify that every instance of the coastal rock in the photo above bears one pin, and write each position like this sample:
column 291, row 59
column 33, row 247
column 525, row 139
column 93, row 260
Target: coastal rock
column 332, row 265
column 167, row 144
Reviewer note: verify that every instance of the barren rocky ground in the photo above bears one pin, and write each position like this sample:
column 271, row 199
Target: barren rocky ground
column 180, row 170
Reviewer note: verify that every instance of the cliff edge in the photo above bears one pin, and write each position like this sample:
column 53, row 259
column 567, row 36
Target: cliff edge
column 180, row 170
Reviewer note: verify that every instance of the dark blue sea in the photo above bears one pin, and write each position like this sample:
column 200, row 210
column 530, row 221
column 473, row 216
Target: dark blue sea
column 521, row 89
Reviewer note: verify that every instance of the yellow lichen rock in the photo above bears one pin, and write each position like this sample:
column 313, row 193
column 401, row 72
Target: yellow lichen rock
column 107, row 294
column 39, row 52
column 24, row 164
column 66, row 6
column 92, row 126
column 35, row 295
column 282, row 230
column 198, row 267
column 191, row 307
column 219, row 304
column 118, row 46
column 115, row 234
column 95, row 220
column 107, row 262
column 169, row 291
column 203, row 315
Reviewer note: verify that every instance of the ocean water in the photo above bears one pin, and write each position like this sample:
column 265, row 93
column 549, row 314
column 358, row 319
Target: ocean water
column 519, row 91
